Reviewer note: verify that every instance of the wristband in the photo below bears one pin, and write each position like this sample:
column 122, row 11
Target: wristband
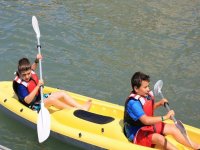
column 36, row 61
column 162, row 118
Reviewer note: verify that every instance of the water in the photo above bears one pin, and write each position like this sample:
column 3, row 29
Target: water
column 93, row 48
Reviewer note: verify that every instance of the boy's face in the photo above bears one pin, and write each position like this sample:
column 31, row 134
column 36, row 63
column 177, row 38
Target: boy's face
column 26, row 75
column 143, row 90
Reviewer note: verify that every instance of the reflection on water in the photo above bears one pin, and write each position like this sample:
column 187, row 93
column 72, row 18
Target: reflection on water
column 93, row 48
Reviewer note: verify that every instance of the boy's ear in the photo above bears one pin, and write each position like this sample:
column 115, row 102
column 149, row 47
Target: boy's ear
column 135, row 89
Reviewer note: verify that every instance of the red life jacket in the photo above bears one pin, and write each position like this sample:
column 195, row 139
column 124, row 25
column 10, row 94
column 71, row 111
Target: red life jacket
column 147, row 105
column 30, row 85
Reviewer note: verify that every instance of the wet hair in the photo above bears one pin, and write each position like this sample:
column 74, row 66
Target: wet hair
column 137, row 78
column 24, row 65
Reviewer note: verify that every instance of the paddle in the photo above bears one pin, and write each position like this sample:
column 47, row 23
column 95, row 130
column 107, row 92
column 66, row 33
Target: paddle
column 178, row 123
column 43, row 122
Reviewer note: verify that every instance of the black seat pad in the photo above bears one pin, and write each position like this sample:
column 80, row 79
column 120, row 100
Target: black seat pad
column 92, row 117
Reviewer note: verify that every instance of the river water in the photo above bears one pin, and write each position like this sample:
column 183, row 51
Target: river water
column 93, row 47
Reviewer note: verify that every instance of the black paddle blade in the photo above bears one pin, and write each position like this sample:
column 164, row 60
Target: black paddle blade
column 180, row 126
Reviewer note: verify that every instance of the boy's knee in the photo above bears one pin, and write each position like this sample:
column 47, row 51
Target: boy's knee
column 61, row 93
column 50, row 99
column 158, row 138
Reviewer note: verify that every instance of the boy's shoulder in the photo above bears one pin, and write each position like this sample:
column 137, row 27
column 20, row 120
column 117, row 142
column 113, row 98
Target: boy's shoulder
column 133, row 102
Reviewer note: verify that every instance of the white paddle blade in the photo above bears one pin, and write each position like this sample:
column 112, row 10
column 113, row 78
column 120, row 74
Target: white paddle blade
column 43, row 124
column 36, row 26
column 158, row 87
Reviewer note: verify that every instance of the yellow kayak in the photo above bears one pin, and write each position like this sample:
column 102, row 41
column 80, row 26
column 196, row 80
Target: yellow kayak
column 100, row 128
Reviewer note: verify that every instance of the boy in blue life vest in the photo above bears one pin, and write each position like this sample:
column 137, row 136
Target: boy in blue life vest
column 140, row 125
column 26, row 86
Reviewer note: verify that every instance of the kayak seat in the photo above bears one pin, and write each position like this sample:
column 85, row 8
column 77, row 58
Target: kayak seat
column 92, row 117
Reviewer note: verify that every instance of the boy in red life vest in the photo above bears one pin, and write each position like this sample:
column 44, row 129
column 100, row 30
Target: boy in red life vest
column 140, row 125
column 26, row 86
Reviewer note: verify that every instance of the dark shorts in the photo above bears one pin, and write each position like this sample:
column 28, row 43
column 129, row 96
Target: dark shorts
column 36, row 106
column 36, row 103
column 144, row 135
column 46, row 95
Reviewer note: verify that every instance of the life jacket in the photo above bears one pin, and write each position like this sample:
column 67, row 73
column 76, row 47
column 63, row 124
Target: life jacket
column 30, row 85
column 147, row 104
